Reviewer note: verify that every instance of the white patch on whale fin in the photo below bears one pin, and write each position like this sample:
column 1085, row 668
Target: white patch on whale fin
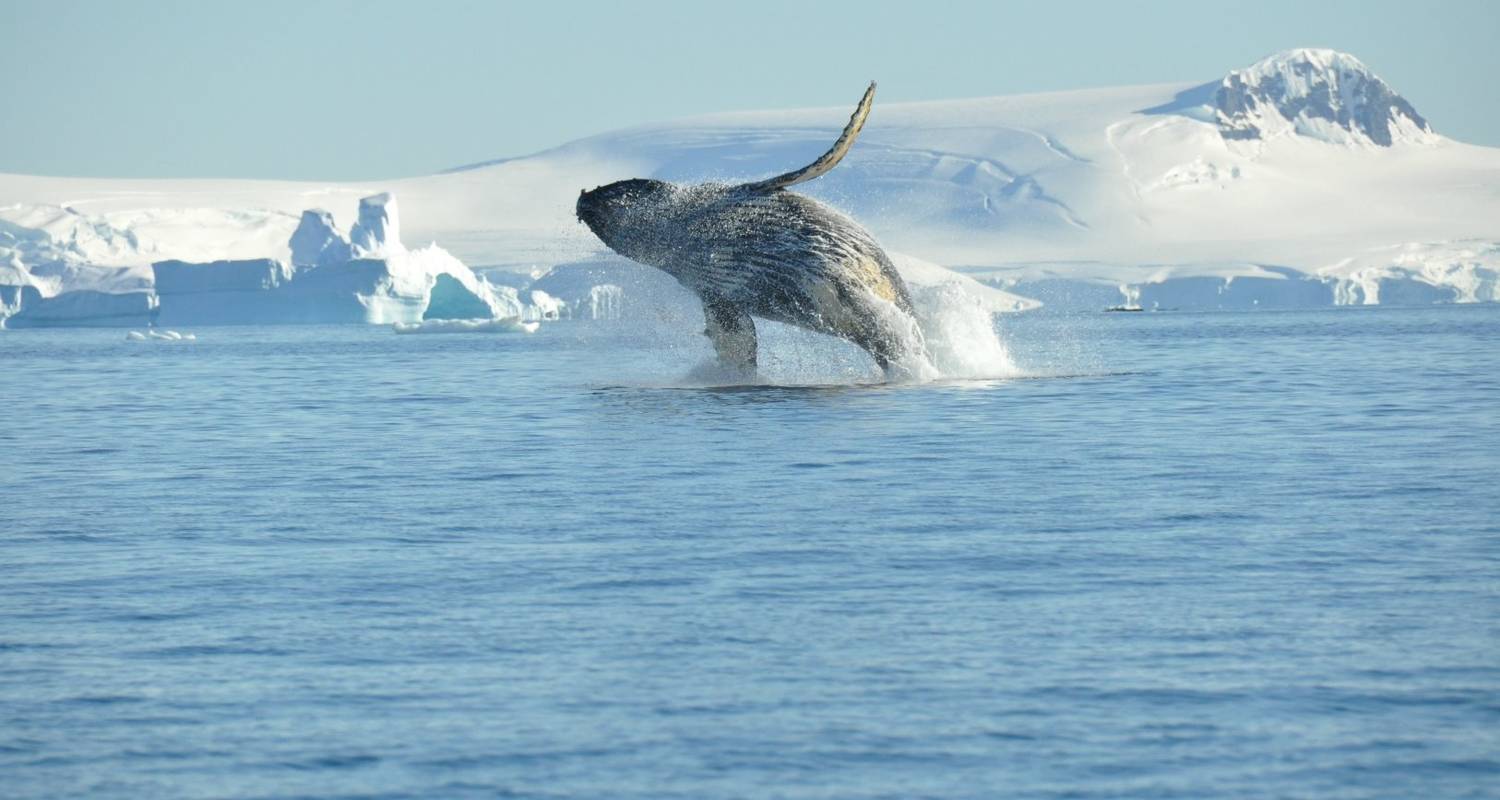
column 828, row 160
column 732, row 332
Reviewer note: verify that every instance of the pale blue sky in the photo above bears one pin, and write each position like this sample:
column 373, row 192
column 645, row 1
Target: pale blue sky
column 373, row 89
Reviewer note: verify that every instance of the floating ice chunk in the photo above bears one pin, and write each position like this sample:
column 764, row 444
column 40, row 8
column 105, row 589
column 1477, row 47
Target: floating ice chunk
column 505, row 325
column 451, row 299
column 547, row 306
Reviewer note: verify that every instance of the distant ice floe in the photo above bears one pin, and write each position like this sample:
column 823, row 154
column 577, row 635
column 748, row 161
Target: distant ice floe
column 1415, row 273
column 547, row 306
column 1419, row 272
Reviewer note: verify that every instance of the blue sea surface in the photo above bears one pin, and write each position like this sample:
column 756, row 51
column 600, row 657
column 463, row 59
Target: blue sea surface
column 1191, row 555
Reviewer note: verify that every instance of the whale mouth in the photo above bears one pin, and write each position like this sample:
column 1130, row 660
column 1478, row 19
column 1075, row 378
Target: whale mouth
column 595, row 206
column 579, row 207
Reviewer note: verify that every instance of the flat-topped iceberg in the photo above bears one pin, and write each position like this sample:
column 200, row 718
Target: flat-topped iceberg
column 86, row 309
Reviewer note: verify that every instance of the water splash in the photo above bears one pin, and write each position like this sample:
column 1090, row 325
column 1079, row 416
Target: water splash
column 961, row 340
column 953, row 337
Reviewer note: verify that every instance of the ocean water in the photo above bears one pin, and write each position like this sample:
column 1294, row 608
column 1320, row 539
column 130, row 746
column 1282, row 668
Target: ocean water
column 1180, row 556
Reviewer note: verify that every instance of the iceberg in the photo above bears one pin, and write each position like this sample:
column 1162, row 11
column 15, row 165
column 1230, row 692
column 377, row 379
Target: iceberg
column 405, row 286
column 12, row 298
column 86, row 308
column 45, row 280
column 255, row 275
column 605, row 302
column 1465, row 271
column 379, row 227
column 317, row 241
column 547, row 306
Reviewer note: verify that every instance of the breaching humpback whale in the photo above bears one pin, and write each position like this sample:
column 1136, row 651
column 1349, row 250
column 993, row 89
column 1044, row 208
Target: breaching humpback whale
column 757, row 250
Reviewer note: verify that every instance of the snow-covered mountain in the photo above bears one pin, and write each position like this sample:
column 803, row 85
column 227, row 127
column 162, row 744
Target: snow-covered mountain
column 1322, row 94
column 1303, row 179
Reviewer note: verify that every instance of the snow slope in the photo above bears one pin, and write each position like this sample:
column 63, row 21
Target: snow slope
column 1303, row 179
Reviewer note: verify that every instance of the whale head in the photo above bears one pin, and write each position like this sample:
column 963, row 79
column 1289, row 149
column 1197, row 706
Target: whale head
column 627, row 215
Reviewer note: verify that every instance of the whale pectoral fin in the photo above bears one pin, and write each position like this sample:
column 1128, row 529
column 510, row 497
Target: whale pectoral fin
column 732, row 332
column 829, row 159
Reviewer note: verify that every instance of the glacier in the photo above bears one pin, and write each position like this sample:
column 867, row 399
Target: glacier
column 1303, row 180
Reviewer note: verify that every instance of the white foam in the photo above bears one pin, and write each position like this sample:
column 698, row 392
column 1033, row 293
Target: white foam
column 505, row 325
column 953, row 337
column 960, row 336
column 159, row 336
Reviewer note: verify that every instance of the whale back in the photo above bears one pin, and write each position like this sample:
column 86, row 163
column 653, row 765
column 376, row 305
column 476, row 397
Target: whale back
column 766, row 250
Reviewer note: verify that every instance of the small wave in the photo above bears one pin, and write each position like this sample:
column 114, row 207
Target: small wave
column 159, row 336
column 504, row 325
